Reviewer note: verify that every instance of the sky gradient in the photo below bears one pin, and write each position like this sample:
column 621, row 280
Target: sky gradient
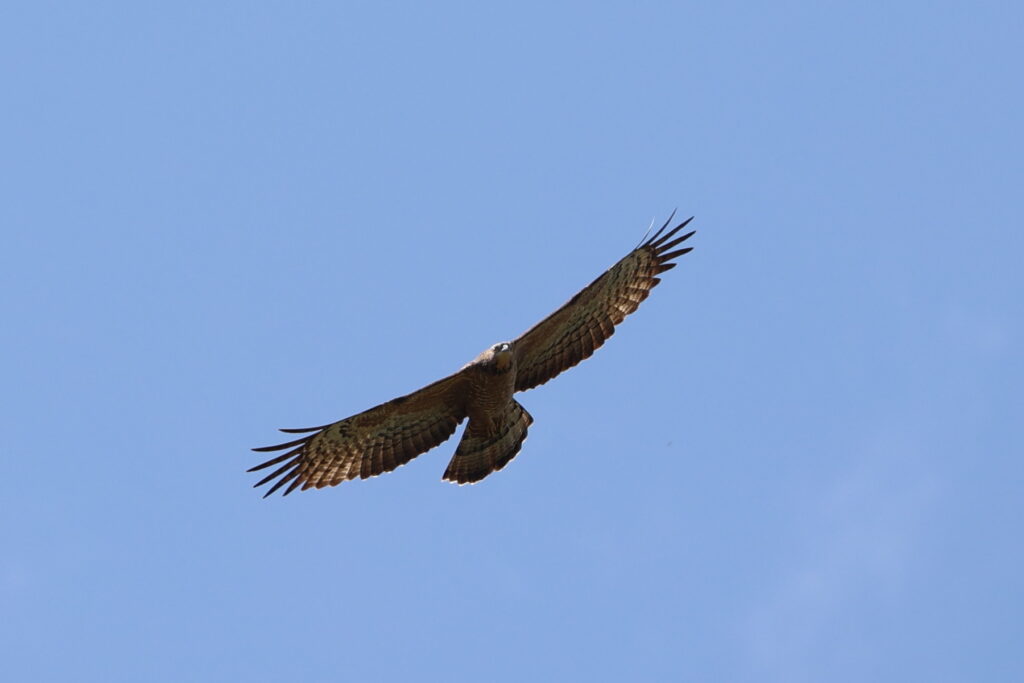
column 800, row 460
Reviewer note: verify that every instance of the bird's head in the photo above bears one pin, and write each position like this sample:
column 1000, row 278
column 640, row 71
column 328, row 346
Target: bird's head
column 501, row 355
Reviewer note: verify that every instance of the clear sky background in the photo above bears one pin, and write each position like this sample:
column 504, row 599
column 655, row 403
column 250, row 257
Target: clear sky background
column 799, row 461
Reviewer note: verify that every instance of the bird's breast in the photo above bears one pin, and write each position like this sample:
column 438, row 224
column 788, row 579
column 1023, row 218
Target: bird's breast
column 490, row 393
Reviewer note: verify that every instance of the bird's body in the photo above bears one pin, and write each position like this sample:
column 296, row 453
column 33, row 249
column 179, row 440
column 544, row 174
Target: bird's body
column 497, row 423
column 389, row 435
column 492, row 381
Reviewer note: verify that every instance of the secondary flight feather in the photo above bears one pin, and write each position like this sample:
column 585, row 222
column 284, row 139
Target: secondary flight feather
column 380, row 439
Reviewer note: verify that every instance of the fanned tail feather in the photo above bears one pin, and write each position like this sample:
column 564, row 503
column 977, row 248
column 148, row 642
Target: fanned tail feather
column 481, row 451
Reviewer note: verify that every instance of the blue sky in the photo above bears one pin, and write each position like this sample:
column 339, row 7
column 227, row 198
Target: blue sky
column 799, row 461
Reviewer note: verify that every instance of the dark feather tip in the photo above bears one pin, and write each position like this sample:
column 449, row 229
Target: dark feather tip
column 671, row 255
column 281, row 446
column 303, row 430
column 655, row 236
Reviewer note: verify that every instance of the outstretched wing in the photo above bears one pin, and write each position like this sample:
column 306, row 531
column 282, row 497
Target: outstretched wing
column 372, row 442
column 575, row 330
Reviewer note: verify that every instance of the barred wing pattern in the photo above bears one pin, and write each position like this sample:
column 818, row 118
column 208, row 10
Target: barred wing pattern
column 574, row 331
column 373, row 442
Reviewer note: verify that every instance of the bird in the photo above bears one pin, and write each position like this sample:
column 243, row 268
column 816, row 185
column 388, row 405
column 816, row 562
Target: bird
column 391, row 434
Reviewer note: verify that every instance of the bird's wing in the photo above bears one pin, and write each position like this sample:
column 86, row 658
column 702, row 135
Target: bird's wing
column 571, row 333
column 372, row 442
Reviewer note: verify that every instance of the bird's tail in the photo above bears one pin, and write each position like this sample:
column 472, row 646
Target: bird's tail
column 484, row 450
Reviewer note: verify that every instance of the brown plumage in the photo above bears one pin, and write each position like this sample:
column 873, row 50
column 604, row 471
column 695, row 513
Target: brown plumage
column 382, row 438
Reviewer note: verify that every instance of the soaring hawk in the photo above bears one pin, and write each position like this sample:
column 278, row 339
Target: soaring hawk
column 382, row 438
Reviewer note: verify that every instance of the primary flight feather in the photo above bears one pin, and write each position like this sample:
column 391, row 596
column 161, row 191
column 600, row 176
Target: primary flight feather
column 382, row 438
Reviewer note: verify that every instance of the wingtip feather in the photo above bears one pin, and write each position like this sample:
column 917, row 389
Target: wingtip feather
column 303, row 430
column 672, row 254
column 665, row 246
column 660, row 230
column 281, row 446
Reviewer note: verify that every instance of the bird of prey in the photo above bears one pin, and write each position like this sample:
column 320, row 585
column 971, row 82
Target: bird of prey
column 382, row 438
